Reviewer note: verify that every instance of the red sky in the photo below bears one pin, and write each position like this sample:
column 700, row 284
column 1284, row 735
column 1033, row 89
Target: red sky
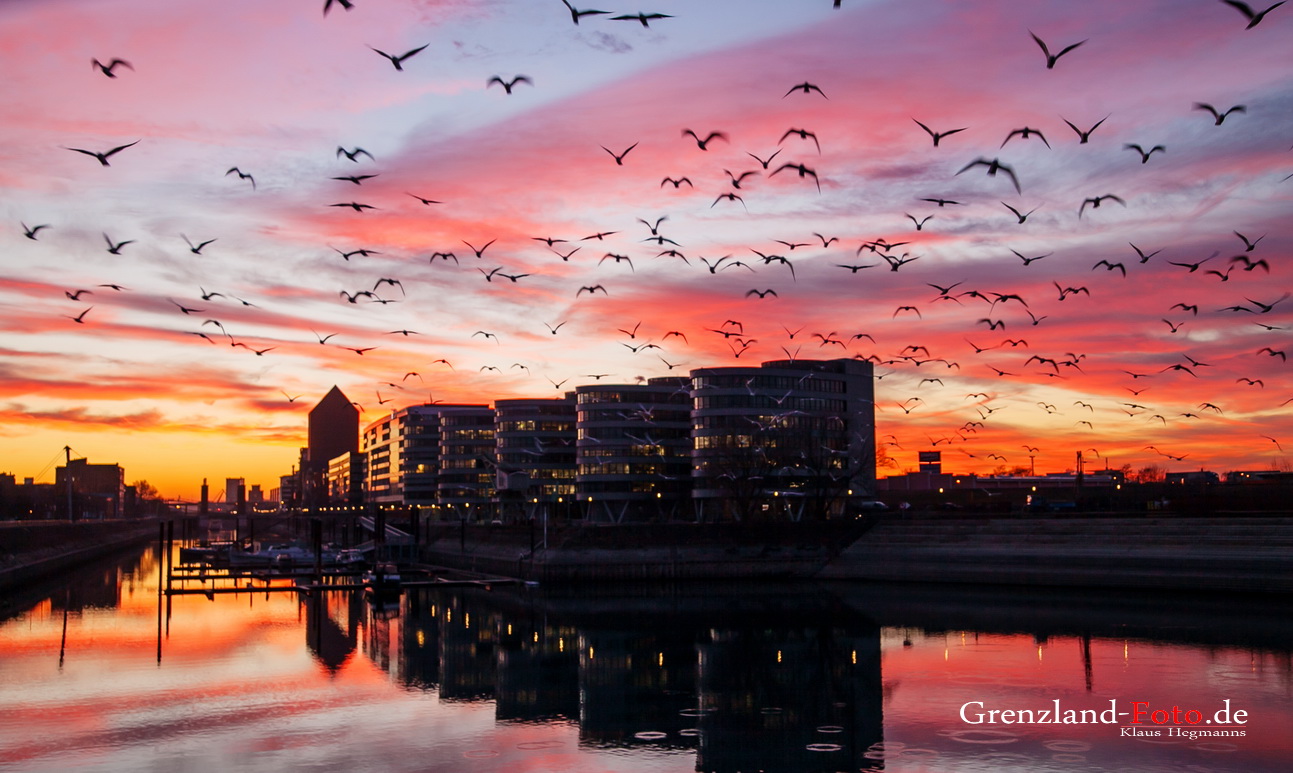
column 276, row 89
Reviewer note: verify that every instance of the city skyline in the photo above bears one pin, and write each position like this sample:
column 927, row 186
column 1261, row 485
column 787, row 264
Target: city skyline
column 1143, row 293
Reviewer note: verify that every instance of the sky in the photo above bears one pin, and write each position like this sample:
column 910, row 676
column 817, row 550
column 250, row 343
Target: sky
column 1153, row 332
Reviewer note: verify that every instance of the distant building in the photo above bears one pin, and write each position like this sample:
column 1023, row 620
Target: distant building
column 333, row 430
column 346, row 479
column 98, row 490
column 235, row 495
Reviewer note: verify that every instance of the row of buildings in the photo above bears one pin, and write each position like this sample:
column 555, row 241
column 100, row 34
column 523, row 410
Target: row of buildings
column 787, row 439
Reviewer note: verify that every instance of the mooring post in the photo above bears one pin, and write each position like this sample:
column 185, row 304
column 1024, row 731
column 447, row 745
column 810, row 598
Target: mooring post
column 170, row 547
column 316, row 536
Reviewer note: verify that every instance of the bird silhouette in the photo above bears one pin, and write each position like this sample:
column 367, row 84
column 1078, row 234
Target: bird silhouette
column 1021, row 216
column 676, row 182
column 398, row 61
column 936, row 136
column 480, row 252
column 1144, row 154
column 426, row 202
column 1024, row 134
column 761, row 293
column 1084, row 136
column 1051, row 59
column 591, row 290
column 196, row 249
column 803, row 172
column 327, row 5
column 1217, row 116
column 643, row 18
column 507, row 85
column 803, row 134
column 355, row 205
column 576, row 15
column 619, row 158
column 994, row 166
column 104, row 156
column 920, row 224
column 1254, row 18
column 1249, row 246
column 109, row 69
column 806, row 88
column 241, row 175
column 1095, row 202
column 354, row 155
column 703, row 144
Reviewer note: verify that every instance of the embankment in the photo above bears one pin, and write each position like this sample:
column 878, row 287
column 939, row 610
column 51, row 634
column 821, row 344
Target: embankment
column 32, row 550
column 1216, row 553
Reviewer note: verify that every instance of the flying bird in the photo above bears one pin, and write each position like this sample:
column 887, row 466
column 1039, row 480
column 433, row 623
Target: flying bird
column 1051, row 59
column 196, row 249
column 427, row 202
column 1084, row 136
column 802, row 134
column 619, row 159
column 108, row 69
column 1022, row 216
column 507, row 85
column 241, row 175
column 354, row 155
column 994, row 166
column 805, row 87
column 1144, row 154
column 357, row 179
column 1096, row 201
column 644, row 18
column 355, row 205
column 591, row 290
column 703, row 144
column 103, row 157
column 1254, row 17
column 936, row 136
column 1219, row 117
column 920, row 224
column 762, row 293
column 575, row 14
column 803, row 172
column 1024, row 134
column 398, row 61
column 79, row 318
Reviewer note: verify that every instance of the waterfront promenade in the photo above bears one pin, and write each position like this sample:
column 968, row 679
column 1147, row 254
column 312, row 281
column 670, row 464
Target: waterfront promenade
column 1225, row 553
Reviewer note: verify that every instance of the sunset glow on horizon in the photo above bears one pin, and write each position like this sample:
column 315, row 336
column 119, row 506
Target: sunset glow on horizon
column 1137, row 308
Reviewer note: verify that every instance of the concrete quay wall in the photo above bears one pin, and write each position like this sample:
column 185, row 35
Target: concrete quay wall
column 34, row 550
column 1221, row 553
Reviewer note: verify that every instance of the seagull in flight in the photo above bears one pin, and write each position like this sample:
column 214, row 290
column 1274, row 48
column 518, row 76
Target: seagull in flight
column 399, row 60
column 107, row 69
column 103, row 157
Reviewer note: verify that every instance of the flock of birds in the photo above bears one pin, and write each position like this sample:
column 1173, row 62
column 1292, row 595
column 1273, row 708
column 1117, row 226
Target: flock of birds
column 771, row 273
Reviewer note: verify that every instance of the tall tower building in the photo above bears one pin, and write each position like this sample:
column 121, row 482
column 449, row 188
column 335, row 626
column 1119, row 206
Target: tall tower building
column 333, row 430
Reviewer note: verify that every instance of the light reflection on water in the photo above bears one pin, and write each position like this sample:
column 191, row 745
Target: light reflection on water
column 715, row 679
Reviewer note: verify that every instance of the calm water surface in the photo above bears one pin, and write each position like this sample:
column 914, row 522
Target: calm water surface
column 94, row 676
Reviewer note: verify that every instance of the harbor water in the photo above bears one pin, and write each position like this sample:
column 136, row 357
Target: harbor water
column 101, row 672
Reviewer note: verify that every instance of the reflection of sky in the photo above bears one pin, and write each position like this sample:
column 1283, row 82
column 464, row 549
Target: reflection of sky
column 238, row 687
column 285, row 86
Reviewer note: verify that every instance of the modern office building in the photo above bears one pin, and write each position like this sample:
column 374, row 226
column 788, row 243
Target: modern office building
column 634, row 449
column 346, row 479
column 403, row 452
column 468, row 466
column 534, row 441
column 788, row 439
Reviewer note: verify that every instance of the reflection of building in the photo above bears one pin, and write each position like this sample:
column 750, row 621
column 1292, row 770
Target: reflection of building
column 98, row 490
column 749, row 687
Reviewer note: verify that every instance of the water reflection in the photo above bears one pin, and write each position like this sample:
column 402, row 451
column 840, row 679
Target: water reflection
column 712, row 678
